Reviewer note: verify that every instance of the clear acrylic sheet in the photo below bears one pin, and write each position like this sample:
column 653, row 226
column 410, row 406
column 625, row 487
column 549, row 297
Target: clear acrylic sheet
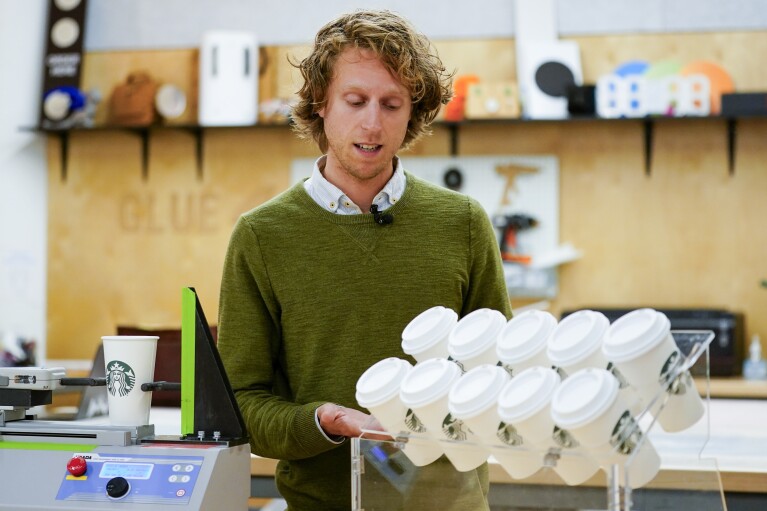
column 384, row 478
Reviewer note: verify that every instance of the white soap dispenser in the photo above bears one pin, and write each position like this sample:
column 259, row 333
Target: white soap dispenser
column 755, row 367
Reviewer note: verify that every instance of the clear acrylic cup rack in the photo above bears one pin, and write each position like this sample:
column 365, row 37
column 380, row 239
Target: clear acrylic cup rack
column 384, row 479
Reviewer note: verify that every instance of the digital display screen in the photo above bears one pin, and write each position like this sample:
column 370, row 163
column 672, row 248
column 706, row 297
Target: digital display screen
column 126, row 470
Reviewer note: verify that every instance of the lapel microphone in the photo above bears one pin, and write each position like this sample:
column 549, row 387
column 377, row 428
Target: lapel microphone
column 380, row 217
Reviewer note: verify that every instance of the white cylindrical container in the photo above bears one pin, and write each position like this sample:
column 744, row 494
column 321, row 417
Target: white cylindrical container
column 474, row 400
column 641, row 346
column 525, row 405
column 378, row 391
column 576, row 342
column 129, row 362
column 425, row 390
column 473, row 340
column 523, row 341
column 586, row 405
column 426, row 336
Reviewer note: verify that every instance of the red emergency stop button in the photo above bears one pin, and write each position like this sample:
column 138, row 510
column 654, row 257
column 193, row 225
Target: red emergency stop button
column 77, row 466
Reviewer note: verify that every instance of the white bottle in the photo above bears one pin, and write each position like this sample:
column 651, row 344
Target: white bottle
column 755, row 368
column 228, row 79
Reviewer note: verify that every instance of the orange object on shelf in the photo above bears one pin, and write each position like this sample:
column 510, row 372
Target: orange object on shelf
column 454, row 110
column 720, row 79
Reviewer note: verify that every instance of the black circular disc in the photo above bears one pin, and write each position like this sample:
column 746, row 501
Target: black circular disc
column 453, row 179
column 554, row 78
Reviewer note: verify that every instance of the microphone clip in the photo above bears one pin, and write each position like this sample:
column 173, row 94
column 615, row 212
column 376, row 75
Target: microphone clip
column 381, row 218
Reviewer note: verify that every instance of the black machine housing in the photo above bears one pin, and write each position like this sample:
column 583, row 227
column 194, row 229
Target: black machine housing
column 726, row 350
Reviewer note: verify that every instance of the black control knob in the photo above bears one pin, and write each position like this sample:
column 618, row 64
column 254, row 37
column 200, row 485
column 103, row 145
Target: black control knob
column 118, row 487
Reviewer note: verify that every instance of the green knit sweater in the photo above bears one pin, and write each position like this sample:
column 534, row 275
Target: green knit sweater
column 311, row 299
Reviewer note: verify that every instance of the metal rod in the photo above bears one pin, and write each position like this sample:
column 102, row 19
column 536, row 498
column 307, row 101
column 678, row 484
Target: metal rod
column 160, row 385
column 84, row 382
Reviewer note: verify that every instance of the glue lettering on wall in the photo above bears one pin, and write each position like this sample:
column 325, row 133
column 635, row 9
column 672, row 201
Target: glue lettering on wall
column 179, row 212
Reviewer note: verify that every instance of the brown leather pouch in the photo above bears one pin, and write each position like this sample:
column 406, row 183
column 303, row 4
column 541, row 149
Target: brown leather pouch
column 132, row 103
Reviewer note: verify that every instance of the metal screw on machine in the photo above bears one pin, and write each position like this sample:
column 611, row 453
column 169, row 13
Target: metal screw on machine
column 216, row 435
column 201, row 435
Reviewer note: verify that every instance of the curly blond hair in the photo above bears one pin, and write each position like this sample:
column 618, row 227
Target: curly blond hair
column 408, row 54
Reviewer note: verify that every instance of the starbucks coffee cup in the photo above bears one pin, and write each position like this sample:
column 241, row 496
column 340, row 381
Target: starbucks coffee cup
column 426, row 335
column 474, row 400
column 641, row 346
column 587, row 406
column 473, row 340
column 129, row 362
column 425, row 391
column 523, row 341
column 576, row 342
column 525, row 405
column 378, row 391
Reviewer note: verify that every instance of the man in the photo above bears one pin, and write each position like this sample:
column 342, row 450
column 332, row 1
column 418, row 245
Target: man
column 315, row 290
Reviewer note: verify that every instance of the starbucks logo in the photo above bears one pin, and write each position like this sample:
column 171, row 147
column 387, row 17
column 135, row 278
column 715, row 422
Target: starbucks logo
column 120, row 378
column 563, row 438
column 454, row 428
column 413, row 423
column 508, row 434
column 675, row 384
column 626, row 434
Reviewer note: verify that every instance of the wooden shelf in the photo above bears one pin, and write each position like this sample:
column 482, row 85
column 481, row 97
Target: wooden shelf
column 733, row 388
column 454, row 128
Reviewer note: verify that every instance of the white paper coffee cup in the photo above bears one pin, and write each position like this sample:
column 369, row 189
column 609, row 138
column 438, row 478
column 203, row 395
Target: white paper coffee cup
column 525, row 405
column 474, row 400
column 587, row 406
column 641, row 346
column 523, row 341
column 576, row 342
column 129, row 363
column 426, row 336
column 525, row 402
column 378, row 391
column 425, row 391
column 473, row 340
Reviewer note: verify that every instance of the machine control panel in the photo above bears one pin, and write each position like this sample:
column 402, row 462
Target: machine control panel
column 145, row 479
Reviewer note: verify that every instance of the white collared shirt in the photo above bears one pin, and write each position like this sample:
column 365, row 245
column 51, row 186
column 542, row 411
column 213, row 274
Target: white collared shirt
column 333, row 199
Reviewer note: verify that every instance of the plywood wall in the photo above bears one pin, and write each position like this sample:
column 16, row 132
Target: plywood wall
column 122, row 243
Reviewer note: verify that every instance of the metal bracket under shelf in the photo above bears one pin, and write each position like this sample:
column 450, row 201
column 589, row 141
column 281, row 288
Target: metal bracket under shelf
column 145, row 136
column 649, row 128
column 648, row 125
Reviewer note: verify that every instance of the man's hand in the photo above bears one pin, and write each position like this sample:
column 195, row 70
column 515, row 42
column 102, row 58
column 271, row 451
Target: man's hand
column 337, row 420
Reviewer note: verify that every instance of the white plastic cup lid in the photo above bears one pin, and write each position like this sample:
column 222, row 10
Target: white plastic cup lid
column 583, row 397
column 477, row 390
column 527, row 393
column 635, row 334
column 474, row 333
column 381, row 381
column 576, row 337
column 427, row 329
column 524, row 336
column 428, row 381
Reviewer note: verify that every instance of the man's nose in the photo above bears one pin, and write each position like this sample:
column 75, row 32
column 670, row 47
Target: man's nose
column 372, row 117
